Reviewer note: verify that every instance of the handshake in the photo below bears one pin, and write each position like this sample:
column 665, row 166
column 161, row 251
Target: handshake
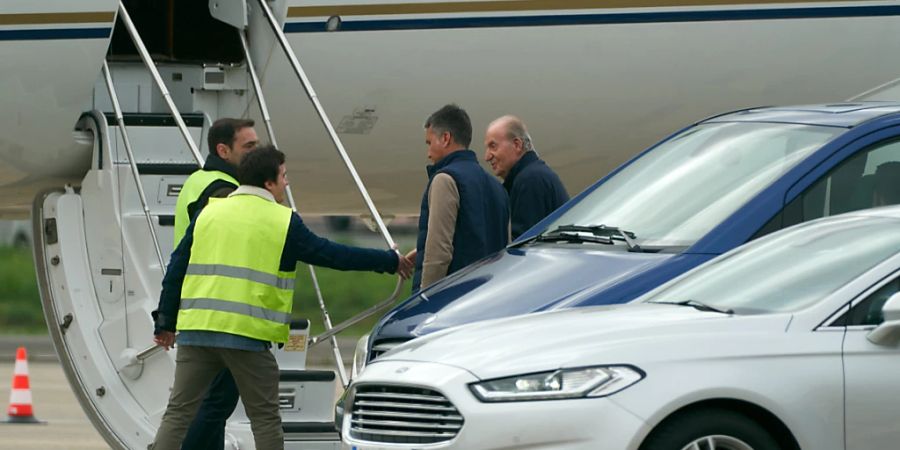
column 406, row 263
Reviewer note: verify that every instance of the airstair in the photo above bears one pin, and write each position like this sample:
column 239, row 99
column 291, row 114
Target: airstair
column 101, row 248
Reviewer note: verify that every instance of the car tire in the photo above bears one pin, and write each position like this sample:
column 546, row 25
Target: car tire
column 710, row 429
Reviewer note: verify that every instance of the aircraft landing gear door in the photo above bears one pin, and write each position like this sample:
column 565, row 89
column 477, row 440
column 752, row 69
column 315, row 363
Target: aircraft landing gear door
column 870, row 371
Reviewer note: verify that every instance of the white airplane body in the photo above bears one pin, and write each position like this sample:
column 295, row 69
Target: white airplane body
column 596, row 82
column 595, row 86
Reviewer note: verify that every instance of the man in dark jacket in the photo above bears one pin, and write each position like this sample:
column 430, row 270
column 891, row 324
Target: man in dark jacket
column 534, row 189
column 464, row 214
column 229, row 140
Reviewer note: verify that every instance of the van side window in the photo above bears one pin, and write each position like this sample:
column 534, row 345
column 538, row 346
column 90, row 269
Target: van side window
column 868, row 179
column 868, row 311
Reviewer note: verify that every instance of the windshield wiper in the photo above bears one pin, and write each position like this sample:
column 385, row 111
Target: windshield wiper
column 700, row 306
column 570, row 237
column 603, row 231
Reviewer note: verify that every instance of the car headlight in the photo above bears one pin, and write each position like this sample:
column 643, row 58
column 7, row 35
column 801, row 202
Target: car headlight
column 558, row 384
column 359, row 356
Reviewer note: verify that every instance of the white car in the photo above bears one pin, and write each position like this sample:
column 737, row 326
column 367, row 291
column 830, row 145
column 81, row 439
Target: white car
column 788, row 342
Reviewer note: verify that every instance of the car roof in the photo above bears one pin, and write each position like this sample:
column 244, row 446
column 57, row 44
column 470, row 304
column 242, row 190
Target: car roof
column 846, row 115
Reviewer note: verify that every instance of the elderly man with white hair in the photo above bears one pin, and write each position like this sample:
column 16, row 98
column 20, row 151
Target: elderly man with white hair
column 534, row 189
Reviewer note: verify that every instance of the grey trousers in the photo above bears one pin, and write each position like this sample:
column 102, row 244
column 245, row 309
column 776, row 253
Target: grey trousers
column 256, row 376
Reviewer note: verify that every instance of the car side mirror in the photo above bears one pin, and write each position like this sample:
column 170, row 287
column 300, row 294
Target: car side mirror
column 888, row 333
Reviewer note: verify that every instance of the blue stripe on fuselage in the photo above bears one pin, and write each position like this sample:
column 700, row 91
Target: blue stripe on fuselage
column 599, row 19
column 55, row 33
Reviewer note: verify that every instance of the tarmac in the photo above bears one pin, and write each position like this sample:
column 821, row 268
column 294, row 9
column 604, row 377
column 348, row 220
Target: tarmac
column 66, row 427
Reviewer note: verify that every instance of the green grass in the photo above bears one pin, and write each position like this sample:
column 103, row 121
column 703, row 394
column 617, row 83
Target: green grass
column 20, row 303
column 345, row 294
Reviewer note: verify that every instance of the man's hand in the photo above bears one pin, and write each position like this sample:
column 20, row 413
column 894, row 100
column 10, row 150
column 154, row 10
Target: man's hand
column 412, row 256
column 165, row 339
column 404, row 266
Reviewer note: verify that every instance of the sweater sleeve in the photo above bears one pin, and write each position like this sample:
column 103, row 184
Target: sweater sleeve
column 443, row 204
column 303, row 245
column 166, row 315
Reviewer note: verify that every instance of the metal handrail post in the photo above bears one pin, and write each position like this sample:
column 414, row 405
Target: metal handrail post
column 148, row 61
column 264, row 110
column 311, row 93
column 120, row 118
column 134, row 170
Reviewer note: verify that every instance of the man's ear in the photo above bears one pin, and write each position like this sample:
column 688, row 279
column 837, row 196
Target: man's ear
column 222, row 150
column 446, row 138
column 520, row 145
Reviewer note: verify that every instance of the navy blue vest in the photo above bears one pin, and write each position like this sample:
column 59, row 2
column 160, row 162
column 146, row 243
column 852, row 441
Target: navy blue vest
column 482, row 223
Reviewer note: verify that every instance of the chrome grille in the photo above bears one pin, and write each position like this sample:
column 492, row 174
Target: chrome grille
column 403, row 415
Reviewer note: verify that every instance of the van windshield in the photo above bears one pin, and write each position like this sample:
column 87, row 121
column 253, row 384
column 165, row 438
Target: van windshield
column 677, row 192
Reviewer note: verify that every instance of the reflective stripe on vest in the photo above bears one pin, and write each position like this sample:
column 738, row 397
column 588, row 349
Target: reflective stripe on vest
column 233, row 283
column 241, row 272
column 190, row 192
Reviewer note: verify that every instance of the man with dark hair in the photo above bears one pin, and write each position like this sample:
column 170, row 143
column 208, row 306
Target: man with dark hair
column 465, row 212
column 229, row 140
column 230, row 286
column 534, row 189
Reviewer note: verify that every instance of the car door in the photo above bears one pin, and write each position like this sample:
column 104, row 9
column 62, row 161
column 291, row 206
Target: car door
column 871, row 387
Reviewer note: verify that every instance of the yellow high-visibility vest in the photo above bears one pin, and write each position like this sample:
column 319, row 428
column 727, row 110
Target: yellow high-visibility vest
column 190, row 193
column 233, row 283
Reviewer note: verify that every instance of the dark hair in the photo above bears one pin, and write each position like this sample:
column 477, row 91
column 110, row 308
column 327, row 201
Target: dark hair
column 451, row 118
column 223, row 130
column 260, row 165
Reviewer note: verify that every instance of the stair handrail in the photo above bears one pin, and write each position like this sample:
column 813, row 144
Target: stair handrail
column 120, row 118
column 151, row 66
column 339, row 146
column 264, row 110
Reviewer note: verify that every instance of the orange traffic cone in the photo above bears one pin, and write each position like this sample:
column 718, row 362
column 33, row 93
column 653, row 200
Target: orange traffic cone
column 20, row 396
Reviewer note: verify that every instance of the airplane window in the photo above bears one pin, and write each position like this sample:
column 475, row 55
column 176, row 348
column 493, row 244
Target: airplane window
column 176, row 31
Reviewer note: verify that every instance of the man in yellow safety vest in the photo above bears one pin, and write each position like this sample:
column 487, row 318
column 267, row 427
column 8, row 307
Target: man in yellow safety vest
column 229, row 291
column 229, row 140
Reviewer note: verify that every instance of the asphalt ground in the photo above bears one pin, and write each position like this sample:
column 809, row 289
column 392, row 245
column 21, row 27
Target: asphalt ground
column 66, row 426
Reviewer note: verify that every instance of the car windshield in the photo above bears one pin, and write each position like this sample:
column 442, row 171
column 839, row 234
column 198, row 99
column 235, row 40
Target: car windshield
column 677, row 192
column 790, row 270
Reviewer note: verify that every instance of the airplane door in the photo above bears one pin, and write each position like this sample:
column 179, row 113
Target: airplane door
column 872, row 393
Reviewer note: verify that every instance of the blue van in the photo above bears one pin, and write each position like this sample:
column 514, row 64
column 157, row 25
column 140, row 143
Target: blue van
column 697, row 194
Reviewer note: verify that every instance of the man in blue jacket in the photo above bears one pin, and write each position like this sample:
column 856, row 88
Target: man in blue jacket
column 534, row 189
column 464, row 214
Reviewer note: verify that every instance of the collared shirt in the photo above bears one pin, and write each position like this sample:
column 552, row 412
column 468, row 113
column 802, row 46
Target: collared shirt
column 301, row 245
column 534, row 190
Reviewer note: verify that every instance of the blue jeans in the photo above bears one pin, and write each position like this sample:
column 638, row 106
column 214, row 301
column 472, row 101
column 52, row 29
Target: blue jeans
column 207, row 431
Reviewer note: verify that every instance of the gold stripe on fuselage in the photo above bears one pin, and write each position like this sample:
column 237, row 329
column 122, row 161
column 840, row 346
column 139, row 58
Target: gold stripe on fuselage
column 512, row 6
column 56, row 18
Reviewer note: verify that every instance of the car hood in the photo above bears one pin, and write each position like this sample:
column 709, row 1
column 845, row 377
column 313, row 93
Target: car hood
column 619, row 334
column 512, row 282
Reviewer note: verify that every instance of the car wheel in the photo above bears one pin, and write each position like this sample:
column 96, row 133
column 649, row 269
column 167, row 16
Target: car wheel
column 709, row 429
